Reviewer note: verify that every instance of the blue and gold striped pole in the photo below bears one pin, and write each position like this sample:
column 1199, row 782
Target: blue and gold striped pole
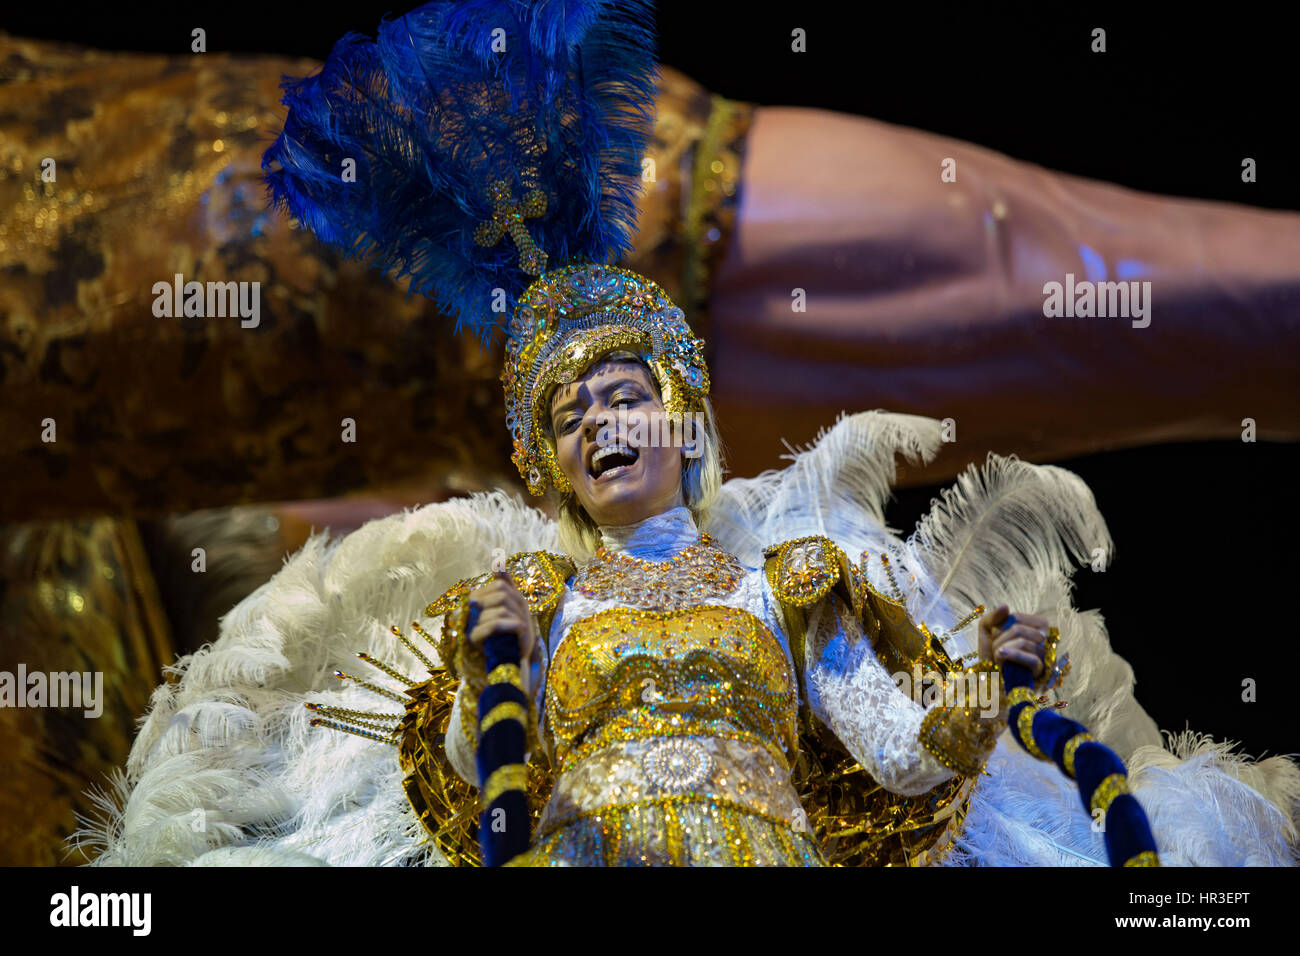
column 503, row 721
column 1101, row 775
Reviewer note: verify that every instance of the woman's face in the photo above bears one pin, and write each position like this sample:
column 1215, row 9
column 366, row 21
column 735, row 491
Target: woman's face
column 620, row 470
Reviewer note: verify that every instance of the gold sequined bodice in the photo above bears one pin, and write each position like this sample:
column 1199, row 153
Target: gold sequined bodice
column 669, row 712
column 624, row 674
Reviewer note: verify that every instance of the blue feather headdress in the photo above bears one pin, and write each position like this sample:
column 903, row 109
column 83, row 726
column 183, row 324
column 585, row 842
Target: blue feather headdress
column 391, row 151
column 495, row 146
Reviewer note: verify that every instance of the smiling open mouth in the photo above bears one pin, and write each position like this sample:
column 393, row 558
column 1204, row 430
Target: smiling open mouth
column 612, row 457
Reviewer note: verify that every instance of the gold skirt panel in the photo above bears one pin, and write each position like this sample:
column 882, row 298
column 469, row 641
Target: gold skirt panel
column 738, row 769
column 687, row 830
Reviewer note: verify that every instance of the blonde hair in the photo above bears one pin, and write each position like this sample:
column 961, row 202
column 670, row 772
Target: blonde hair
column 701, row 475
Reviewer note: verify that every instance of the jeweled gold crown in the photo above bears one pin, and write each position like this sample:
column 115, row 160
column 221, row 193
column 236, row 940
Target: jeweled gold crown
column 567, row 320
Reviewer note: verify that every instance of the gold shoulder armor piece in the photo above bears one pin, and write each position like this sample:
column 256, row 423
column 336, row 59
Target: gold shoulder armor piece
column 447, row 600
column 539, row 576
column 802, row 571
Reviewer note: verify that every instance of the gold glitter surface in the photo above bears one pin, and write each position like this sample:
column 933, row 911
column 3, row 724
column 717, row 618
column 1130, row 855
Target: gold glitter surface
column 1025, row 728
column 807, row 568
column 75, row 597
column 704, row 664
column 157, row 172
column 513, row 776
column 1145, row 858
column 1105, row 792
column 960, row 740
column 1071, row 746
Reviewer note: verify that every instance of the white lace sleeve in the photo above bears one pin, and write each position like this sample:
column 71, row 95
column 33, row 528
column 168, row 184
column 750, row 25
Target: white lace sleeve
column 850, row 691
column 460, row 752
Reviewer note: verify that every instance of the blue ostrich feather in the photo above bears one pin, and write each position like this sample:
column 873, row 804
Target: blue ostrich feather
column 432, row 115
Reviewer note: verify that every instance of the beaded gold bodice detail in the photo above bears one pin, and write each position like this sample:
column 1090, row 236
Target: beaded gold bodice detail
column 694, row 575
column 624, row 674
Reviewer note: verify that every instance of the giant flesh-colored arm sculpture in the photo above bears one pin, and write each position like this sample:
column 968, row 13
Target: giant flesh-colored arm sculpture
column 927, row 296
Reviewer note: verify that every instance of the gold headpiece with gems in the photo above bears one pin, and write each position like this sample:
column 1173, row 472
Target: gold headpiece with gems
column 568, row 319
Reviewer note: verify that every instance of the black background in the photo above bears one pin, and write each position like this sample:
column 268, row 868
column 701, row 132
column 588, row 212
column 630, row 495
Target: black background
column 1201, row 592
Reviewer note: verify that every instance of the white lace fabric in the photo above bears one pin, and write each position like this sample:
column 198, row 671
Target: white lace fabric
column 850, row 691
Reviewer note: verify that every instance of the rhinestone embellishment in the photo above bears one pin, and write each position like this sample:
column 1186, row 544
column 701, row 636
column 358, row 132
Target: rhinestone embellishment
column 694, row 575
column 677, row 763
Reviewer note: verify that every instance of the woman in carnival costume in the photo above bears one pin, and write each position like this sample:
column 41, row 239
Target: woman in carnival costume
column 756, row 671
